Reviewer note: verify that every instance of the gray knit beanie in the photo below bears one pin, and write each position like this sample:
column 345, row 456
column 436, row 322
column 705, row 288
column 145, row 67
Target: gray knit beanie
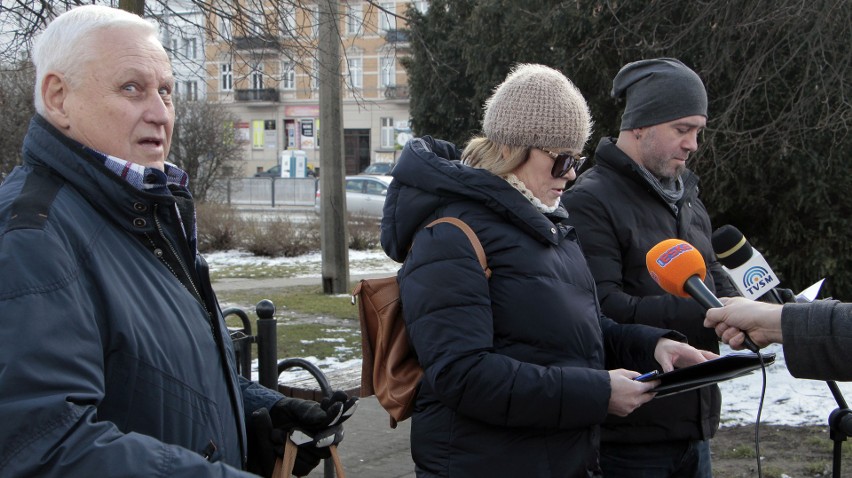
column 537, row 106
column 658, row 91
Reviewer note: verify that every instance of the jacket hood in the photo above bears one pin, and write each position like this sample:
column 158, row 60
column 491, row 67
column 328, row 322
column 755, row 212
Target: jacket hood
column 429, row 176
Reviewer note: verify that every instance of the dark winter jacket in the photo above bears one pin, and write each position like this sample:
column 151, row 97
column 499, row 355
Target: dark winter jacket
column 818, row 339
column 114, row 356
column 619, row 217
column 515, row 377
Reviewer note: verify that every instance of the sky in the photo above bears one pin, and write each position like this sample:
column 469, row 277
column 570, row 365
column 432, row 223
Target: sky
column 787, row 400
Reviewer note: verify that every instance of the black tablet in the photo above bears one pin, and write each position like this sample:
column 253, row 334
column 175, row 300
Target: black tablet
column 729, row 366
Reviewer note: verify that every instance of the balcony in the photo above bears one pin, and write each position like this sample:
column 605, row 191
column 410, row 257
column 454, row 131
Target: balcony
column 397, row 92
column 256, row 42
column 269, row 95
column 397, row 36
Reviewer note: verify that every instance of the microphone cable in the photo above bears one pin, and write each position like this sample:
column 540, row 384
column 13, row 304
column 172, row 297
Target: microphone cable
column 759, row 411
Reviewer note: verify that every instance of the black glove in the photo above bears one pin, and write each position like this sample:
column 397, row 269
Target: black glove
column 289, row 413
column 266, row 443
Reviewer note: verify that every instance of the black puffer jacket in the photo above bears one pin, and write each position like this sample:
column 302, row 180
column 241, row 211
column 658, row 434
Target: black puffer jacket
column 515, row 381
column 619, row 217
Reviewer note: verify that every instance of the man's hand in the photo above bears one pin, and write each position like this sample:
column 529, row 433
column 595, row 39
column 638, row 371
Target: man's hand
column 312, row 426
column 671, row 354
column 762, row 322
column 289, row 413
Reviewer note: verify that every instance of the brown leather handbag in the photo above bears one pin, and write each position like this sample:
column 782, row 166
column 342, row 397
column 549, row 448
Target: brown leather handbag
column 390, row 369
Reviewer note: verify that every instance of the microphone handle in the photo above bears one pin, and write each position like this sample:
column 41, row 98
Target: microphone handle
column 695, row 287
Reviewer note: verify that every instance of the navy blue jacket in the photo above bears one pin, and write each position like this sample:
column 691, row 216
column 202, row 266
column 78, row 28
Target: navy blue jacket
column 515, row 379
column 619, row 217
column 114, row 357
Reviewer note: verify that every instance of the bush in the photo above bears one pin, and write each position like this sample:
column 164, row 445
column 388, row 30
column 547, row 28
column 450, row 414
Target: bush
column 364, row 234
column 219, row 227
column 280, row 236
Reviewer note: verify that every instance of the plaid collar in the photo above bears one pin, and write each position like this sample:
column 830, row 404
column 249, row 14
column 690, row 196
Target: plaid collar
column 151, row 180
column 144, row 179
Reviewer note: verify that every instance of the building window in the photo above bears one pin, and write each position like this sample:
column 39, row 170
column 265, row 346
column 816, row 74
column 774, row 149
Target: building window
column 354, row 18
column 190, row 49
column 288, row 21
column 226, row 77
column 314, row 15
column 257, row 77
column 314, row 74
column 255, row 24
column 355, row 77
column 288, row 80
column 190, row 90
column 421, row 7
column 225, row 27
column 387, row 133
column 387, row 20
column 387, row 74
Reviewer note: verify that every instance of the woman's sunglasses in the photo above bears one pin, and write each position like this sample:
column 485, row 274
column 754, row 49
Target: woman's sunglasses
column 562, row 162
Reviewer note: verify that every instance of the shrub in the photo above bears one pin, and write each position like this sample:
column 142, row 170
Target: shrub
column 280, row 236
column 222, row 227
column 364, row 233
column 219, row 227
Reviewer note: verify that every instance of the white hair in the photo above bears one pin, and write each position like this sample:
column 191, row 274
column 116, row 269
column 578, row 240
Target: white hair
column 63, row 46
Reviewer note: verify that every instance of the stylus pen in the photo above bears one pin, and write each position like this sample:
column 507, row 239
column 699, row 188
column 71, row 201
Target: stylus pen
column 646, row 376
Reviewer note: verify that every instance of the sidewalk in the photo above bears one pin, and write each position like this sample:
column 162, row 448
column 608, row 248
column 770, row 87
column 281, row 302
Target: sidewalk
column 371, row 448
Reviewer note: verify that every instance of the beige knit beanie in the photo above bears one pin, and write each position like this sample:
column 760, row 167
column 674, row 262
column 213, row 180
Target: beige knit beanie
column 537, row 106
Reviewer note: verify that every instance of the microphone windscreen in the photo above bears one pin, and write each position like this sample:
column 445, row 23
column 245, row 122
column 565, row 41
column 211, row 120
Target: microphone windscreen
column 731, row 247
column 672, row 262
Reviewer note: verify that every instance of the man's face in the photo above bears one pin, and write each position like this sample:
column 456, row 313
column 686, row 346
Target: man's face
column 121, row 103
column 664, row 148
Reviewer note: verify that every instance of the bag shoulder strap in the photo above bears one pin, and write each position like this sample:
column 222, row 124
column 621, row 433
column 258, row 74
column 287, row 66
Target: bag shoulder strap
column 471, row 236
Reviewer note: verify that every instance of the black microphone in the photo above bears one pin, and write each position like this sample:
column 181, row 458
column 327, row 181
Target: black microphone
column 746, row 267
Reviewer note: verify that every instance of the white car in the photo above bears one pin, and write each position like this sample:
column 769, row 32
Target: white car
column 365, row 195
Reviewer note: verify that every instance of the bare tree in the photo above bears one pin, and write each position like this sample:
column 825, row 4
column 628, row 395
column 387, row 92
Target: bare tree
column 205, row 145
column 16, row 103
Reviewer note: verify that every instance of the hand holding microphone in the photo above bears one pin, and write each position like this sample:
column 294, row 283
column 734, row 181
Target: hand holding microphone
column 679, row 269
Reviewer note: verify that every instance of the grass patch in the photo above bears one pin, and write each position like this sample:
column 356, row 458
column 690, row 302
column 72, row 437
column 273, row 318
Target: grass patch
column 302, row 300
column 739, row 451
column 310, row 323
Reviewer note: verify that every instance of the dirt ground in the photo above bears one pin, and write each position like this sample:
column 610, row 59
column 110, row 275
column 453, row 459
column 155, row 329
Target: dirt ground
column 787, row 452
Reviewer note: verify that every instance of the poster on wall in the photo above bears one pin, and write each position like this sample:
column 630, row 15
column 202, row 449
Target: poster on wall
column 270, row 135
column 307, row 136
column 243, row 132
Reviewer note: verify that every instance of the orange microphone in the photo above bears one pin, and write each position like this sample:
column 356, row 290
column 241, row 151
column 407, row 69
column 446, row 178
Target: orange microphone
column 679, row 269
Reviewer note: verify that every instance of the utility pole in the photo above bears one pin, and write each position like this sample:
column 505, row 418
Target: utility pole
column 334, row 237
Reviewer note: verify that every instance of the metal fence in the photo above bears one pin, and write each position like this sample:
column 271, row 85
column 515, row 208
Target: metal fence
column 270, row 192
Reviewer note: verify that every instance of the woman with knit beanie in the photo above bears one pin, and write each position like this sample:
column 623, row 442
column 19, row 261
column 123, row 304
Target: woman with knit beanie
column 520, row 369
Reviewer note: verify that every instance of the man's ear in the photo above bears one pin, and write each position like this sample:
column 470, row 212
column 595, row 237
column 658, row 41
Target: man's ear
column 54, row 92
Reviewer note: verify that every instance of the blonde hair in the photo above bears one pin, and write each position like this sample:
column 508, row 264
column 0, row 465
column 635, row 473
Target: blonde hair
column 483, row 153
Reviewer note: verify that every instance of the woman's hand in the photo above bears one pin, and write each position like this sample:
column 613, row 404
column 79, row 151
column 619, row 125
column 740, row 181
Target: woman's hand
column 628, row 394
column 671, row 354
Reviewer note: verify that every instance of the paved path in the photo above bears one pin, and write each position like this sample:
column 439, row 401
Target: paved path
column 371, row 448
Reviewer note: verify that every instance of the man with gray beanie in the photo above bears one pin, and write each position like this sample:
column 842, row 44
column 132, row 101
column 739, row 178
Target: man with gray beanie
column 639, row 193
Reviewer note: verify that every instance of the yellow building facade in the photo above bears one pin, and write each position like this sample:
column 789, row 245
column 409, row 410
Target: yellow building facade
column 261, row 61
